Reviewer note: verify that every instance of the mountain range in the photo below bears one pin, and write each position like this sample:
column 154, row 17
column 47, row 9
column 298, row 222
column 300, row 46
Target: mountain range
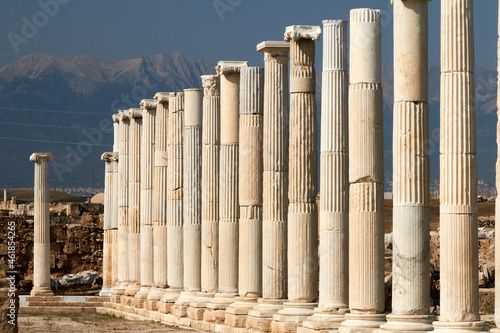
column 64, row 105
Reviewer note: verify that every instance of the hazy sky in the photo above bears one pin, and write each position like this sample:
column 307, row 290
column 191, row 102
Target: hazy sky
column 207, row 29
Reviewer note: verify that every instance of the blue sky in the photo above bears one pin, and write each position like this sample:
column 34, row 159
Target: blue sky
column 206, row 29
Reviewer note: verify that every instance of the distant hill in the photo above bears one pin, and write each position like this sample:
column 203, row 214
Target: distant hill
column 99, row 87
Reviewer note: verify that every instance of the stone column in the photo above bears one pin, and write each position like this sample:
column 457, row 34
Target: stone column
column 175, row 258
column 275, row 185
column 123, row 171
column 193, row 109
column 115, row 202
column 458, row 166
column 160, row 198
column 250, row 196
column 109, row 193
column 41, row 249
column 497, row 203
column 366, row 175
column 302, row 193
column 411, row 182
column 209, row 197
column 148, row 107
column 134, row 196
column 334, row 184
column 229, row 73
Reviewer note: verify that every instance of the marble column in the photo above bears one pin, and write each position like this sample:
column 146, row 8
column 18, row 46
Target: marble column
column 302, row 192
column 41, row 249
column 497, row 203
column 458, row 173
column 250, row 196
column 334, row 184
column 175, row 196
column 209, row 197
column 115, row 202
column 229, row 73
column 148, row 107
column 193, row 109
column 366, row 175
column 275, row 185
column 160, row 198
column 123, row 172
column 411, row 182
column 109, row 194
column 134, row 202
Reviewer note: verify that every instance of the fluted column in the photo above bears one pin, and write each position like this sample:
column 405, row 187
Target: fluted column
column 411, row 212
column 109, row 193
column 209, row 197
column 458, row 172
column 148, row 107
column 302, row 192
column 229, row 73
column 334, row 184
column 175, row 196
column 123, row 172
column 160, row 198
column 366, row 175
column 134, row 196
column 115, row 202
column 250, row 195
column 41, row 249
column 193, row 108
column 497, row 203
column 275, row 185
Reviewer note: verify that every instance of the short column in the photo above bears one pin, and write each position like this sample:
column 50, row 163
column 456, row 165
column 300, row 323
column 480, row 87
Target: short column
column 250, row 196
column 275, row 185
column 148, row 107
column 334, row 184
column 366, row 176
column 41, row 249
column 303, row 189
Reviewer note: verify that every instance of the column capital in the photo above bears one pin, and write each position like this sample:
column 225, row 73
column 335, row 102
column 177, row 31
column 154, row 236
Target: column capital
column 148, row 105
column 135, row 113
column 274, row 47
column 116, row 118
column 123, row 115
column 225, row 67
column 41, row 157
column 162, row 97
column 211, row 85
column 296, row 32
column 109, row 157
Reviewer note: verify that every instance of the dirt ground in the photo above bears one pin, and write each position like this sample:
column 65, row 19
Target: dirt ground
column 89, row 323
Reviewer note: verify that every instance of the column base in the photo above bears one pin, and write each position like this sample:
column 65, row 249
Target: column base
column 156, row 293
column 41, row 291
column 197, row 307
column 361, row 322
column 291, row 316
column 216, row 309
column 459, row 327
column 105, row 291
column 171, row 295
column 324, row 320
column 143, row 292
column 260, row 317
column 407, row 323
column 236, row 314
column 132, row 289
column 179, row 309
column 119, row 289
column 495, row 330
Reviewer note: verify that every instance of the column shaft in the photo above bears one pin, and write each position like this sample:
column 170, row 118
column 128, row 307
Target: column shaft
column 497, row 203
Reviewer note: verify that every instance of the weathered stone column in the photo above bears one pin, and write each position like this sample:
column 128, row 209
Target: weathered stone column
column 411, row 182
column 109, row 193
column 458, row 173
column 148, row 107
column 175, row 257
column 160, row 199
column 134, row 202
column 123, row 171
column 275, row 185
column 193, row 109
column 250, row 196
column 303, row 189
column 229, row 73
column 209, row 197
column 334, row 184
column 497, row 203
column 115, row 199
column 41, row 249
